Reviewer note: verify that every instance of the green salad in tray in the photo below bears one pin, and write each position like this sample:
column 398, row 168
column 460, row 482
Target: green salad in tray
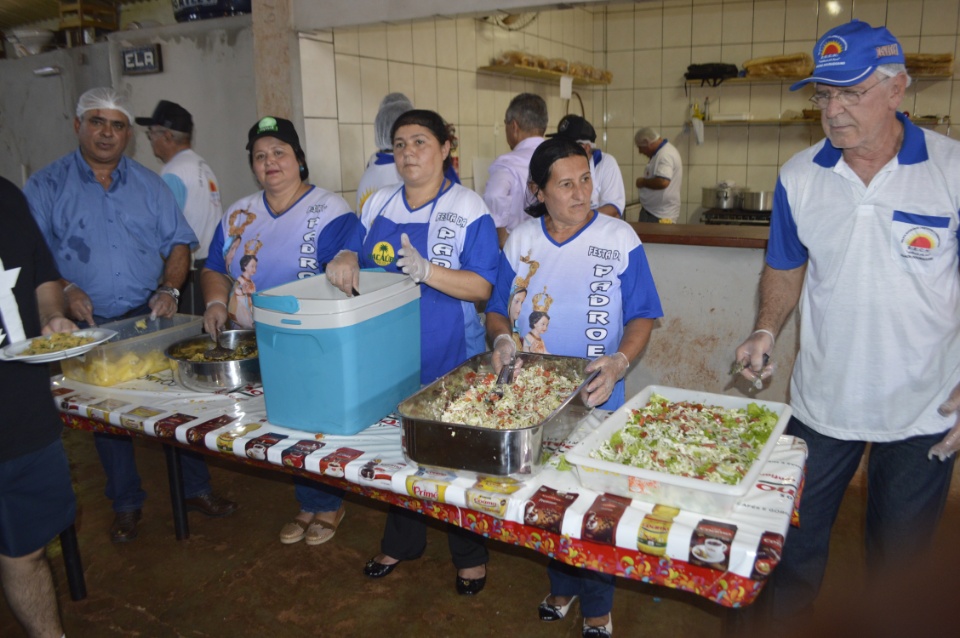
column 683, row 438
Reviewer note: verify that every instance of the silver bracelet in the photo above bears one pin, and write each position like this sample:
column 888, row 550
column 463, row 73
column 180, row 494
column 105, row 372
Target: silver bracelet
column 68, row 287
column 505, row 335
column 216, row 301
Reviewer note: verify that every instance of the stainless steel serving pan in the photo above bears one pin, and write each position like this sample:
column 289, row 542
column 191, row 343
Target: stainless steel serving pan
column 211, row 376
column 516, row 453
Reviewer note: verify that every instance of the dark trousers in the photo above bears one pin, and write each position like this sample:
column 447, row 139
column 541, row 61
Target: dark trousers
column 594, row 589
column 647, row 216
column 123, row 481
column 191, row 299
column 405, row 538
column 906, row 494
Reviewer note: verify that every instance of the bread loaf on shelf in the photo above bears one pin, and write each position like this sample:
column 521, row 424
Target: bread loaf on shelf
column 929, row 63
column 578, row 70
column 517, row 58
column 790, row 65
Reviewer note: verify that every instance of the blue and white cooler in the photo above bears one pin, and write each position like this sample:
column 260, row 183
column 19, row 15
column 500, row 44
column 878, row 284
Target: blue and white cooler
column 336, row 364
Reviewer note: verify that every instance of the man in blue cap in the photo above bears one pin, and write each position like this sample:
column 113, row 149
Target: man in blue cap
column 863, row 237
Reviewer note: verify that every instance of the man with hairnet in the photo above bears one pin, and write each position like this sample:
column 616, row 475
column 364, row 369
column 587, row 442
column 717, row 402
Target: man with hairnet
column 381, row 168
column 506, row 194
column 122, row 247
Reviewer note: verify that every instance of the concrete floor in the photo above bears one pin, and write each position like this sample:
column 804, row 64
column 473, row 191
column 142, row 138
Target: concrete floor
column 232, row 577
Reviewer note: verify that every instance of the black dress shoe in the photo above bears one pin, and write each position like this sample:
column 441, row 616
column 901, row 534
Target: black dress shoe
column 124, row 527
column 373, row 569
column 211, row 505
column 470, row 586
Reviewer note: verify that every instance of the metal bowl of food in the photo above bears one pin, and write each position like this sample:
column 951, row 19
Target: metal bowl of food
column 432, row 437
column 201, row 367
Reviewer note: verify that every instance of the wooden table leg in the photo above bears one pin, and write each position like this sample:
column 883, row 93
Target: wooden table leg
column 175, row 478
column 72, row 564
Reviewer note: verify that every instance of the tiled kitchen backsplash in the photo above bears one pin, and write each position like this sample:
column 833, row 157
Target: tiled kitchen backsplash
column 646, row 45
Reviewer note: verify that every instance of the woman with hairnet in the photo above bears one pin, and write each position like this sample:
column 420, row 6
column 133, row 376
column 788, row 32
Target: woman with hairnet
column 381, row 169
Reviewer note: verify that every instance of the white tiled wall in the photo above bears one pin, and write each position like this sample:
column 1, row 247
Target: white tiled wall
column 345, row 74
column 647, row 46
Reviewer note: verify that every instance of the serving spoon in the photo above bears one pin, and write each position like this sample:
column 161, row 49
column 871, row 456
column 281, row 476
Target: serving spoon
column 219, row 352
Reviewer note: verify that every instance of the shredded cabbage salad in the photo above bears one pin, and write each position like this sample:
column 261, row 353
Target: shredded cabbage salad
column 707, row 442
column 534, row 394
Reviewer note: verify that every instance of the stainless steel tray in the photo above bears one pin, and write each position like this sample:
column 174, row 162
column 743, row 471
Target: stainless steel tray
column 516, row 453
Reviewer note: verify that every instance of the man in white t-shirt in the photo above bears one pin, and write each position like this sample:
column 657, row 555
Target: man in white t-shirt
column 194, row 186
column 662, row 178
column 608, row 196
column 506, row 193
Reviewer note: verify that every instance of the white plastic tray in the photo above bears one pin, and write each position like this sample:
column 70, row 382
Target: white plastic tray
column 686, row 493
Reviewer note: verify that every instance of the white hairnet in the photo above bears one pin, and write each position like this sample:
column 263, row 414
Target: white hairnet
column 104, row 97
column 391, row 107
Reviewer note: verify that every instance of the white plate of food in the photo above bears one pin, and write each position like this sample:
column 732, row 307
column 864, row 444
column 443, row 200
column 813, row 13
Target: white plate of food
column 56, row 347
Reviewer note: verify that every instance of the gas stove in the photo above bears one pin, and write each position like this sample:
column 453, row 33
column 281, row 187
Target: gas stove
column 735, row 216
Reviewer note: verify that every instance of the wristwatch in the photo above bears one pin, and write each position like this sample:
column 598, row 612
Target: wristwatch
column 170, row 290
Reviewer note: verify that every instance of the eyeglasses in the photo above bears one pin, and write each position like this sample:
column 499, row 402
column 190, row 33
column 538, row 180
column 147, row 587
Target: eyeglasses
column 846, row 97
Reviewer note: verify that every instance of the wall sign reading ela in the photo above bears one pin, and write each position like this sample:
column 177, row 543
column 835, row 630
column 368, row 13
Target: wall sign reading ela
column 141, row 60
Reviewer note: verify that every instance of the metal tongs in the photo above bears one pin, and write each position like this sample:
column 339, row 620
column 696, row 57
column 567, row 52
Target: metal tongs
column 504, row 378
column 739, row 366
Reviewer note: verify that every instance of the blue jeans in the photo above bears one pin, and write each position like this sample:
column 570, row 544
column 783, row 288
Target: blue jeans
column 316, row 497
column 594, row 589
column 123, row 480
column 906, row 494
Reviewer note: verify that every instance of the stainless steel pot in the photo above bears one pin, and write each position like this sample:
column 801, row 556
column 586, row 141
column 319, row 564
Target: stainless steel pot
column 212, row 376
column 428, row 440
column 756, row 200
column 724, row 198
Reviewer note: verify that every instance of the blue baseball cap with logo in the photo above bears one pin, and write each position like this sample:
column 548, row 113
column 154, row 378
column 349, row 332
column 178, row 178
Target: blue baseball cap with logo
column 849, row 54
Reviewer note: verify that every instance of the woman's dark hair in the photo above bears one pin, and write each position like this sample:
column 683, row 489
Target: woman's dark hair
column 432, row 121
column 246, row 259
column 541, row 163
column 536, row 316
column 297, row 152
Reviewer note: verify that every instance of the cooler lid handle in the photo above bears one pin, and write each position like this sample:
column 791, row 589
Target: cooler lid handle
column 279, row 303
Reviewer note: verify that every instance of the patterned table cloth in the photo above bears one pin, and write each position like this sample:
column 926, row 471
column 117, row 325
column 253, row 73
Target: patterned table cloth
column 725, row 559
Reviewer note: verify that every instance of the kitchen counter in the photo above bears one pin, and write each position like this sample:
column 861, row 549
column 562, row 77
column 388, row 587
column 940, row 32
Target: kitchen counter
column 703, row 235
